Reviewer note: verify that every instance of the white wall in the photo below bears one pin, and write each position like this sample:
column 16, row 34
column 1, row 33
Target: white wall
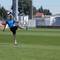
column 32, row 23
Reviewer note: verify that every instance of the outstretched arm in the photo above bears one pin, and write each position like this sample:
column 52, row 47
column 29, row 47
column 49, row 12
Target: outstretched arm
column 4, row 27
column 4, row 24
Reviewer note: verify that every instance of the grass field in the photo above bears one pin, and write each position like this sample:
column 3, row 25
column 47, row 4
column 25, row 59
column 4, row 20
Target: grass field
column 34, row 44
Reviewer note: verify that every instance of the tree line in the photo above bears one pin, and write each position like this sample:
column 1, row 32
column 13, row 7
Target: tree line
column 3, row 13
column 26, row 7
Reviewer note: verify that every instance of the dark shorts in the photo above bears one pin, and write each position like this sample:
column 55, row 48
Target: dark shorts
column 13, row 29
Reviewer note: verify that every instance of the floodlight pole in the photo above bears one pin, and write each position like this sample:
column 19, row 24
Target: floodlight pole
column 15, row 9
column 31, row 9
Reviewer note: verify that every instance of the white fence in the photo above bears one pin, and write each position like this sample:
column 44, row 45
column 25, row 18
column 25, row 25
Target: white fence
column 32, row 23
column 37, row 22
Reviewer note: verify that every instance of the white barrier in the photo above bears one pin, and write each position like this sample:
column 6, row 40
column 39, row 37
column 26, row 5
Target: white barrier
column 32, row 23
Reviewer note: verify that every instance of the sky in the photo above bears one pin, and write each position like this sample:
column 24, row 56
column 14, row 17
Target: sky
column 52, row 5
column 6, row 4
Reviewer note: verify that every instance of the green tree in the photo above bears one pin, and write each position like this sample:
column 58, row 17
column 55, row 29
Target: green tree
column 47, row 12
column 25, row 6
column 3, row 13
column 41, row 9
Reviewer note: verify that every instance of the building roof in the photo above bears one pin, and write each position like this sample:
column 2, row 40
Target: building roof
column 39, row 14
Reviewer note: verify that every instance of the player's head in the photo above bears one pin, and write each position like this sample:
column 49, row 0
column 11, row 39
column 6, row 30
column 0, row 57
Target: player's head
column 10, row 16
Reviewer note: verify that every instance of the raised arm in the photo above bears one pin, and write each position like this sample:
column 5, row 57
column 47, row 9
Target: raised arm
column 4, row 24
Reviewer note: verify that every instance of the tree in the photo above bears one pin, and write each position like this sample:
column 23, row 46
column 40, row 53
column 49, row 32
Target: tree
column 3, row 13
column 41, row 9
column 25, row 6
column 47, row 12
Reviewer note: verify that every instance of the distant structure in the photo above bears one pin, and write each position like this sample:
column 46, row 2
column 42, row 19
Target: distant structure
column 38, row 14
column 15, row 9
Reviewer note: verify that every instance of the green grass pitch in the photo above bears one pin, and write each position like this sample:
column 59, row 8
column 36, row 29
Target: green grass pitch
column 34, row 44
